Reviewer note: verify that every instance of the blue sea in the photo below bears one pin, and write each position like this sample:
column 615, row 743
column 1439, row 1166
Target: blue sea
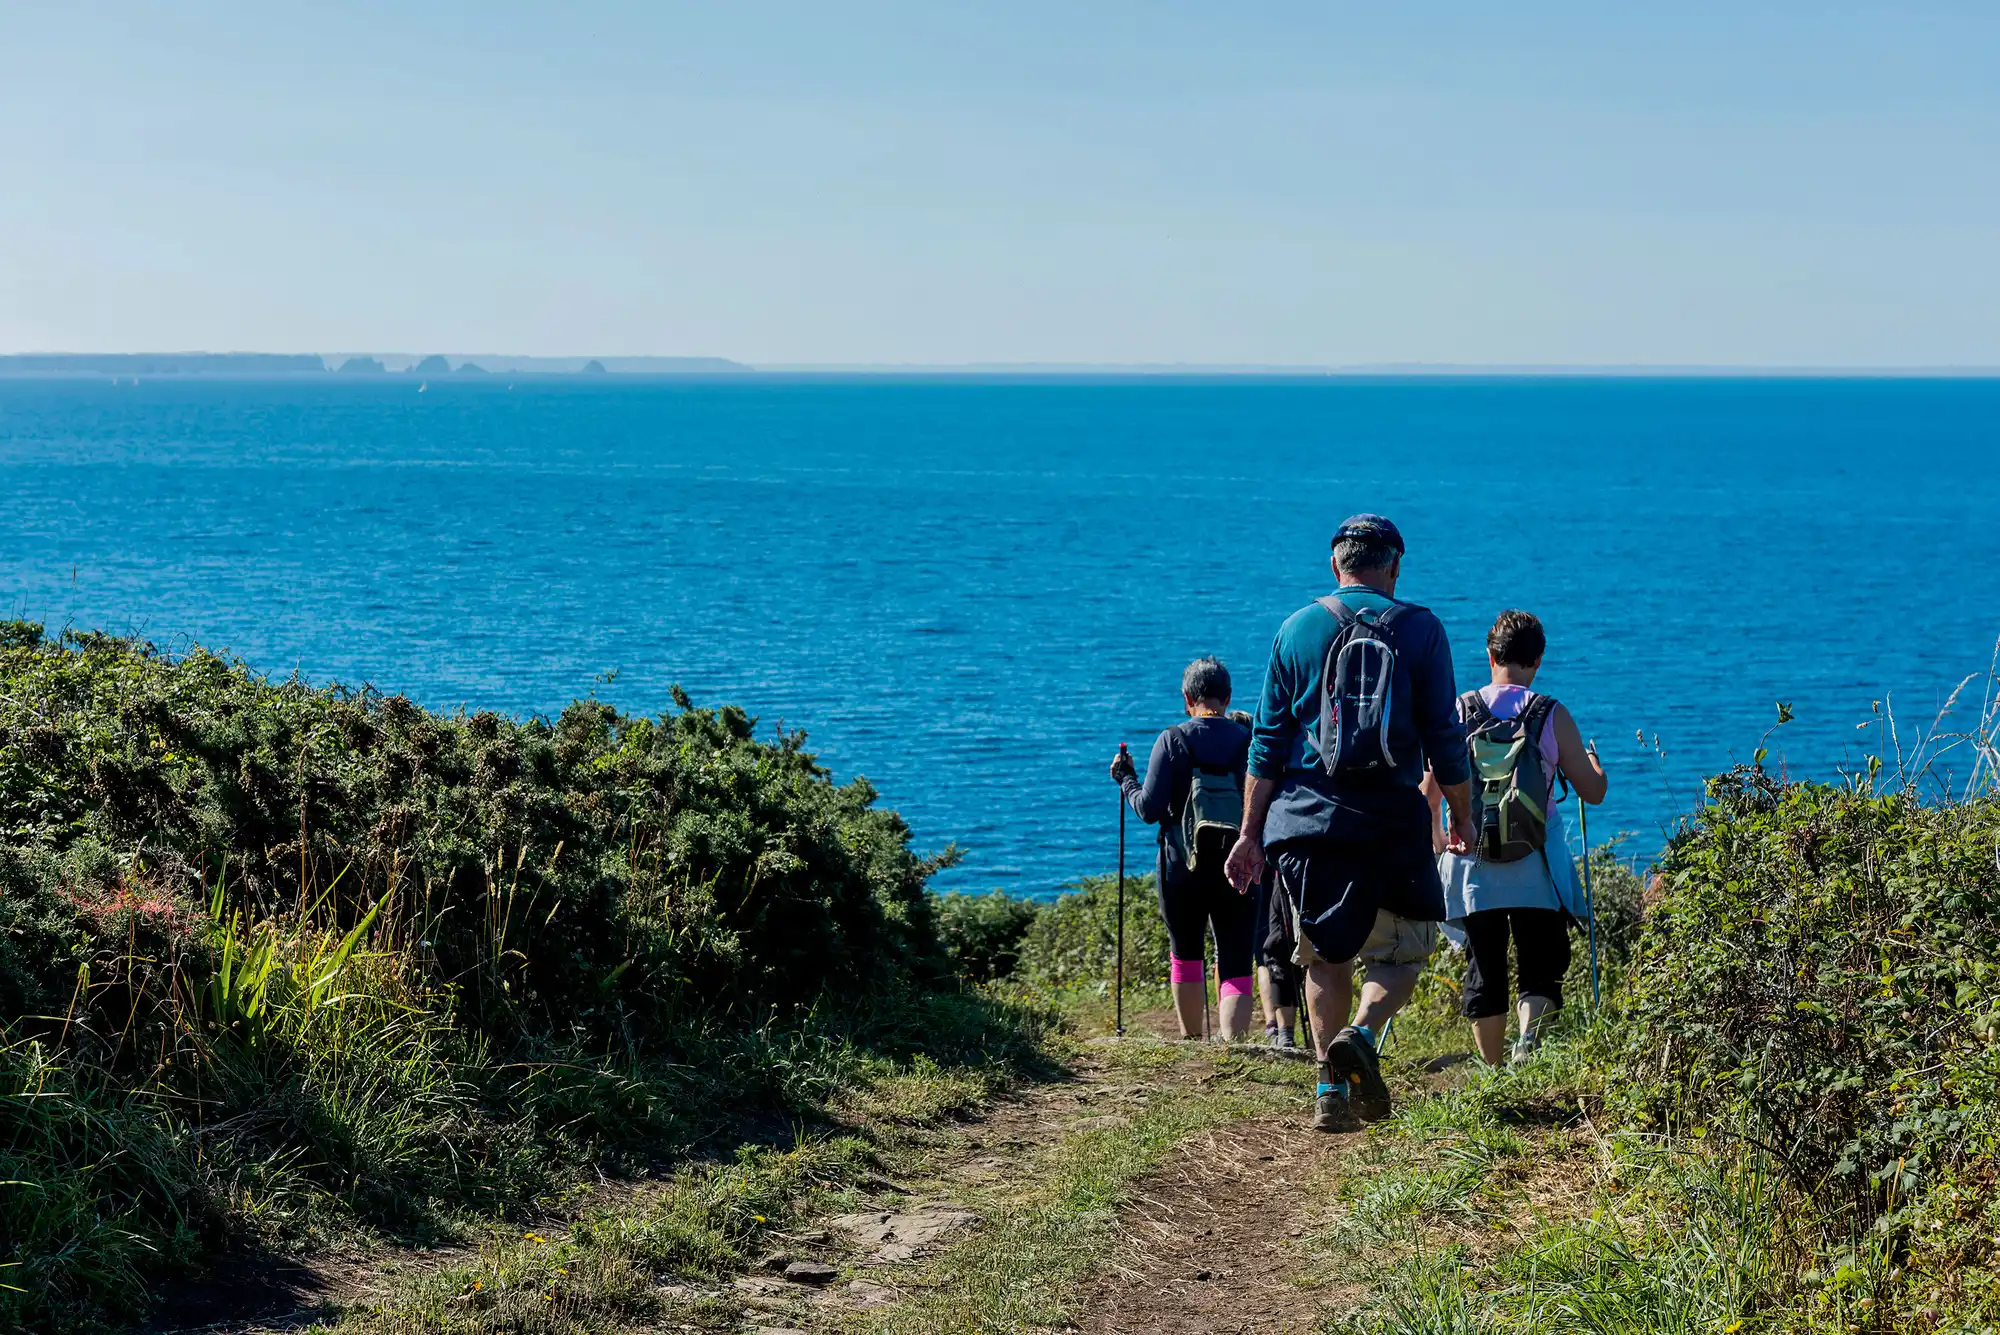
column 970, row 591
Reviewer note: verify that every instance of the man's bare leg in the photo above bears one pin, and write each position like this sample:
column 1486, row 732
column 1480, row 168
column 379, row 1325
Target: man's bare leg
column 1329, row 999
column 1386, row 989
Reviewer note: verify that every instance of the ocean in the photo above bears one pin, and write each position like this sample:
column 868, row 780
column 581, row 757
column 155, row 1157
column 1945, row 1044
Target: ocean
column 971, row 590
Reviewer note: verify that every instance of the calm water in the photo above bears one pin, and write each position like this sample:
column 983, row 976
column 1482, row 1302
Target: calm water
column 970, row 592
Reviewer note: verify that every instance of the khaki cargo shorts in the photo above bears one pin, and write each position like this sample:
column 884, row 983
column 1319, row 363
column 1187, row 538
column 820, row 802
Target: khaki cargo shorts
column 1393, row 940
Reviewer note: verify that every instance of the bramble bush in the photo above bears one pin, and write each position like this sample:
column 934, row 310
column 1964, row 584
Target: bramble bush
column 275, row 959
column 982, row 933
column 1073, row 939
column 1822, row 975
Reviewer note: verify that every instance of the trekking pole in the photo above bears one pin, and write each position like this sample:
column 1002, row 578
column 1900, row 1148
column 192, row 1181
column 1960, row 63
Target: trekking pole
column 1589, row 902
column 1118, row 968
column 1382, row 1043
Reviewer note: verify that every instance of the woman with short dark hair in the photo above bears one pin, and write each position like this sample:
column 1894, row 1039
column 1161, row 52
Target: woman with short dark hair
column 1517, row 882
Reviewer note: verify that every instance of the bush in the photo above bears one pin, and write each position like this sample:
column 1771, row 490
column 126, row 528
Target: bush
column 1820, row 975
column 1073, row 940
column 982, row 933
column 274, row 957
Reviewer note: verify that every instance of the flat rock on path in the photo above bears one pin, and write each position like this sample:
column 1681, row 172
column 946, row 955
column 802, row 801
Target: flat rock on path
column 893, row 1237
column 1206, row 1246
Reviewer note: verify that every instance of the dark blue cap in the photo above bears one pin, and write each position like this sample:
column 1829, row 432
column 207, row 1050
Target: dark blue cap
column 1370, row 528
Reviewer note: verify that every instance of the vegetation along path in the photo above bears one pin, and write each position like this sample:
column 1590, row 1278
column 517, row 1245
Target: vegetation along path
column 322, row 1011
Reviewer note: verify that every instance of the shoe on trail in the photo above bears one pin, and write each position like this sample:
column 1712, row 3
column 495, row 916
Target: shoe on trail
column 1331, row 1111
column 1351, row 1059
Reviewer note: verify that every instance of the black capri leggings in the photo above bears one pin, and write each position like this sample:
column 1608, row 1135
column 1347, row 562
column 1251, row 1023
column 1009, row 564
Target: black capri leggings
column 1541, row 953
column 1194, row 903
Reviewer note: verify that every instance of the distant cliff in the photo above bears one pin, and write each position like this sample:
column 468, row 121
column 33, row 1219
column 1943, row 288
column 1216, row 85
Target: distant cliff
column 361, row 366
column 161, row 363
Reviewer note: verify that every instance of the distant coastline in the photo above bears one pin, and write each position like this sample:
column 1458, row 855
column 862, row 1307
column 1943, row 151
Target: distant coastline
column 369, row 365
column 234, row 365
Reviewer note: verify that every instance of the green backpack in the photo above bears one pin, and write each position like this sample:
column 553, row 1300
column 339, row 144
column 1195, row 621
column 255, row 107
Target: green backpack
column 1510, row 779
column 1214, row 809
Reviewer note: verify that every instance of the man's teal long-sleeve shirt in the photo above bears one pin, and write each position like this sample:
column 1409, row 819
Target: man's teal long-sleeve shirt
column 1424, row 729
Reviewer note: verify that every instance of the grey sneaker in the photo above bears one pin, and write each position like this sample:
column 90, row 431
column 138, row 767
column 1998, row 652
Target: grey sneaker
column 1351, row 1059
column 1331, row 1110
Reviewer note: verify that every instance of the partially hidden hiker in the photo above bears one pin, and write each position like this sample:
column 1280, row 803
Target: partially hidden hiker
column 1358, row 699
column 1277, row 975
column 1193, row 791
column 1517, row 878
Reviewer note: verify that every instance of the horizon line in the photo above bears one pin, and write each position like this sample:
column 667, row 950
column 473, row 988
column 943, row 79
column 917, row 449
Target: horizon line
column 685, row 364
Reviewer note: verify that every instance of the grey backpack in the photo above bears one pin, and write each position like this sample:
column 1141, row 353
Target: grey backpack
column 1214, row 808
column 1510, row 778
column 1357, row 691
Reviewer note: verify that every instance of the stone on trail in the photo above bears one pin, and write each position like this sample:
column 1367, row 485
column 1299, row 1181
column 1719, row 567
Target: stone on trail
column 861, row 1293
column 811, row 1272
column 897, row 1237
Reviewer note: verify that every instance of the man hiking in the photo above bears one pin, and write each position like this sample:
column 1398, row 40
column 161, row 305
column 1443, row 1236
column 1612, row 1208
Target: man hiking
column 1194, row 792
column 1517, row 879
column 1358, row 698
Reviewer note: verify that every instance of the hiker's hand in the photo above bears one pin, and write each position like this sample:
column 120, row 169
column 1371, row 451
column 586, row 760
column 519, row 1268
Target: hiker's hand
column 1245, row 866
column 1462, row 836
column 1122, row 767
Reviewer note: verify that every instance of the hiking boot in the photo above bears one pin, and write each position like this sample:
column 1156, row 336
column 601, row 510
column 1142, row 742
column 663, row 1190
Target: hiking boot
column 1351, row 1059
column 1331, row 1111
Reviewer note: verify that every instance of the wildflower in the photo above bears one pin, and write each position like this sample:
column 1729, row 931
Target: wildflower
column 760, row 1219
column 1733, row 1327
column 534, row 1237
column 478, row 1283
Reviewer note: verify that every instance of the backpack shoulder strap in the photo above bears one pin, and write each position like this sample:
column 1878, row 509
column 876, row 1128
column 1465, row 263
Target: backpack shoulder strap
column 1342, row 613
column 1472, row 708
column 1536, row 716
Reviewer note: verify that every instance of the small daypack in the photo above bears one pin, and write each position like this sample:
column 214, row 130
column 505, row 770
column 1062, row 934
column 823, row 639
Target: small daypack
column 1213, row 811
column 1357, row 692
column 1510, row 779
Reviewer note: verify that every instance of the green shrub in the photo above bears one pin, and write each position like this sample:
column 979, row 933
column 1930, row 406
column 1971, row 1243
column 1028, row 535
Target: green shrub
column 1822, row 975
column 275, row 959
column 1073, row 939
column 982, row 933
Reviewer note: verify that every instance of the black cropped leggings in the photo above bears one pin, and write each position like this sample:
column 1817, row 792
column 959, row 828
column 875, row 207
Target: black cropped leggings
column 1541, row 954
column 1193, row 904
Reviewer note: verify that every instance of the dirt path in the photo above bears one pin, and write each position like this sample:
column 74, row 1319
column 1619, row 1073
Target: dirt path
column 1207, row 1243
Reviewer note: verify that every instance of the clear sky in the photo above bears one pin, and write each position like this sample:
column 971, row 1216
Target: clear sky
column 1289, row 181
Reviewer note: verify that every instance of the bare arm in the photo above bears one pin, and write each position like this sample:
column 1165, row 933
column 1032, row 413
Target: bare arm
column 1245, row 866
column 1434, row 794
column 1459, row 796
column 1579, row 763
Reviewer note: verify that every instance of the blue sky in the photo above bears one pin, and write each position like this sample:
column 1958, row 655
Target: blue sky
column 1326, row 182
